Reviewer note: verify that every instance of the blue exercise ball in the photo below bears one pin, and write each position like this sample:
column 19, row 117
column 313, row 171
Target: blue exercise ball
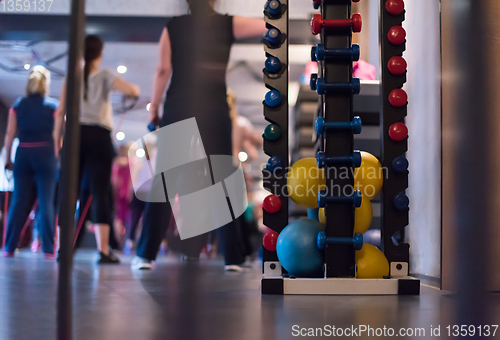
column 297, row 248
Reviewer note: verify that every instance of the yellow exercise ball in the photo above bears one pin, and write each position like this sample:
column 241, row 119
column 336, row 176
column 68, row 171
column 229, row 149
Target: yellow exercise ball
column 369, row 177
column 362, row 216
column 371, row 263
column 304, row 181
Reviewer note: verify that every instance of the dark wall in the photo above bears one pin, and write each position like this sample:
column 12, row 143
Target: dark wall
column 471, row 126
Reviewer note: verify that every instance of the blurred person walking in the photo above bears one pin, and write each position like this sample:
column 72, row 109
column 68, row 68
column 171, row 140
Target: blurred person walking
column 96, row 148
column 194, row 52
column 35, row 165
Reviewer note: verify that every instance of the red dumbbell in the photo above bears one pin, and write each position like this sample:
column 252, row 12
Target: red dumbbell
column 398, row 132
column 395, row 7
column 317, row 23
column 271, row 204
column 397, row 35
column 397, row 65
column 398, row 98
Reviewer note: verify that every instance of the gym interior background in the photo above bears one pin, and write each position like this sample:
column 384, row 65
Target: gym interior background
column 452, row 146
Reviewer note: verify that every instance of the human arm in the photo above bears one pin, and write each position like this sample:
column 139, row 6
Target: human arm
column 244, row 27
column 162, row 75
column 9, row 139
column 125, row 87
column 58, row 121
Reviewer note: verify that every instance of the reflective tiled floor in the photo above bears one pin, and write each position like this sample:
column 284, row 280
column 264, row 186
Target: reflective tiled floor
column 181, row 300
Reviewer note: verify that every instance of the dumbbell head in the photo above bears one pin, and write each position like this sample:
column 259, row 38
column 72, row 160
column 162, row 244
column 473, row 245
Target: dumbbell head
column 401, row 202
column 395, row 7
column 273, row 98
column 274, row 7
column 396, row 35
column 273, row 65
column 400, row 164
column 274, row 35
column 398, row 132
column 272, row 132
column 274, row 163
column 397, row 65
column 317, row 23
column 313, row 81
column 398, row 98
column 313, row 54
column 272, row 204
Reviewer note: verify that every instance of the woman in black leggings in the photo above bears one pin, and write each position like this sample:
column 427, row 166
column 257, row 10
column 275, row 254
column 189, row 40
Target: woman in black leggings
column 96, row 148
column 194, row 51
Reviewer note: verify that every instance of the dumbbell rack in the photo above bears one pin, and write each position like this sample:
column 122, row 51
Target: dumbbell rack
column 394, row 216
column 276, row 147
column 337, row 92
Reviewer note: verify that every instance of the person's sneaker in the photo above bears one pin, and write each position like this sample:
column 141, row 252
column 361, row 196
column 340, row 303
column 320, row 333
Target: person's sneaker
column 8, row 254
column 49, row 256
column 107, row 259
column 140, row 263
column 234, row 268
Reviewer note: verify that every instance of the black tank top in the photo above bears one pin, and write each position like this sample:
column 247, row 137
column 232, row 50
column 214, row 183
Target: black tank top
column 200, row 54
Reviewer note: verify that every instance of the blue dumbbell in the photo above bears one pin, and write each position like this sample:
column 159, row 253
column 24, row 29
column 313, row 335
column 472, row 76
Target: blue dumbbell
column 400, row 164
column 274, row 7
column 356, row 125
column 274, row 163
column 401, row 201
column 354, row 160
column 354, row 199
column 356, row 241
column 322, row 87
column 313, row 54
column 313, row 81
column 273, row 65
column 274, row 36
column 351, row 54
column 273, row 98
column 152, row 126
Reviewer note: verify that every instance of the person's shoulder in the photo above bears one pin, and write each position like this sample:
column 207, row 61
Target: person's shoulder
column 52, row 102
column 17, row 102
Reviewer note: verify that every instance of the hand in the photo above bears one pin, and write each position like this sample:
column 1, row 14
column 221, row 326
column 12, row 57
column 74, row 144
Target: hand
column 9, row 165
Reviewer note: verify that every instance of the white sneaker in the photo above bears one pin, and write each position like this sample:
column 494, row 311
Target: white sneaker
column 234, row 268
column 139, row 263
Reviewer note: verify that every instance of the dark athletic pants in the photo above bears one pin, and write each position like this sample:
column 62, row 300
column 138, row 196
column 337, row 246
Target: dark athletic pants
column 33, row 166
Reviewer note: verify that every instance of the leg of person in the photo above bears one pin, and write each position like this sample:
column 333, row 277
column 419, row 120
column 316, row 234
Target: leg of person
column 137, row 207
column 21, row 204
column 228, row 236
column 154, row 226
column 99, row 153
column 44, row 164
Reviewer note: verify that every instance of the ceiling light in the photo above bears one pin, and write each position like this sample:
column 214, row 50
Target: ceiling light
column 27, row 67
column 243, row 156
column 140, row 153
column 122, row 69
column 120, row 136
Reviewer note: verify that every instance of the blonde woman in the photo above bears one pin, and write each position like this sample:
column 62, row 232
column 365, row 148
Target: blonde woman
column 33, row 117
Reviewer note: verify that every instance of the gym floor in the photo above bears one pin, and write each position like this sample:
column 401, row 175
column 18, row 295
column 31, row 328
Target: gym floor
column 185, row 300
